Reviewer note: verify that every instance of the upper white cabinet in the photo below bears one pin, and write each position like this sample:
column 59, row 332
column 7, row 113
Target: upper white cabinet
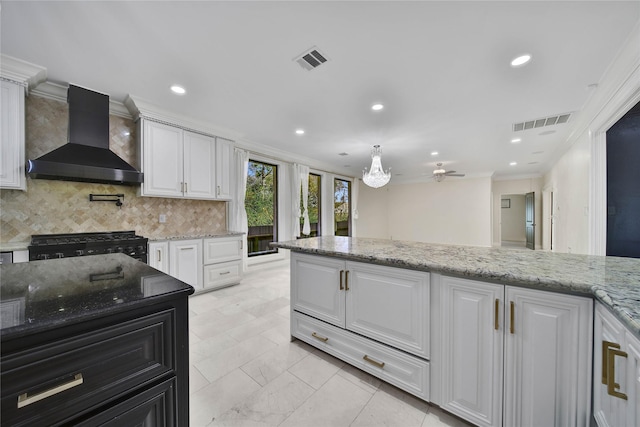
column 180, row 163
column 534, row 345
column 389, row 305
column 616, row 372
column 12, row 140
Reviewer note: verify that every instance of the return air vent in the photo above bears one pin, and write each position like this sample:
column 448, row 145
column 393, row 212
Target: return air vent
column 311, row 59
column 545, row 121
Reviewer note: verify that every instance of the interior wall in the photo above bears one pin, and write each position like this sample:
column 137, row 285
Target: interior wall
column 452, row 212
column 513, row 219
column 516, row 186
column 373, row 212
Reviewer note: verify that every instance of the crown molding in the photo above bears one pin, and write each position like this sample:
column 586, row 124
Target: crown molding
column 23, row 72
column 140, row 108
column 58, row 92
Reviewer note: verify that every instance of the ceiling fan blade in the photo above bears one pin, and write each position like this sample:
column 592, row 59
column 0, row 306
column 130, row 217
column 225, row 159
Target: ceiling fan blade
column 455, row 174
column 449, row 172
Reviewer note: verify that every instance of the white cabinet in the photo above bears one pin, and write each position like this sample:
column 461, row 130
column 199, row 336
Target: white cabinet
column 158, row 256
column 222, row 261
column 185, row 261
column 388, row 304
column 373, row 317
column 224, row 168
column 534, row 345
column 616, row 372
column 179, row 163
column 12, row 138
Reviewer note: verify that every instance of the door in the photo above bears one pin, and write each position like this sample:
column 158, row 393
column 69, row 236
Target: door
column 185, row 261
column 158, row 256
column 317, row 287
column 199, row 164
column 530, row 225
column 162, row 160
column 547, row 375
column 472, row 349
column 390, row 305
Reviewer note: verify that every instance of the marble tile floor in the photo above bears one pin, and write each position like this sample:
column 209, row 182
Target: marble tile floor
column 245, row 371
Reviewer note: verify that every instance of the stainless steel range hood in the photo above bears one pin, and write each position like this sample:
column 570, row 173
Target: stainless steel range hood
column 86, row 156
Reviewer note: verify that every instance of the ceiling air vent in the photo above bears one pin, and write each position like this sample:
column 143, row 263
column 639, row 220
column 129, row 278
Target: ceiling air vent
column 538, row 123
column 311, row 59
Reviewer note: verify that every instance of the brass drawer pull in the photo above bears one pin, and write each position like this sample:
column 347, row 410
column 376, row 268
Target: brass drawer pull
column 318, row 337
column 225, row 272
column 346, row 280
column 606, row 345
column 341, row 282
column 496, row 315
column 24, row 399
column 373, row 362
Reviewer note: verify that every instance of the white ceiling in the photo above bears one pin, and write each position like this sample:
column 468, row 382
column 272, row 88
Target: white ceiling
column 440, row 68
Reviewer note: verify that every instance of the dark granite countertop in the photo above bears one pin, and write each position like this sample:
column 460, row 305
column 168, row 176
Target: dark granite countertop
column 614, row 281
column 41, row 295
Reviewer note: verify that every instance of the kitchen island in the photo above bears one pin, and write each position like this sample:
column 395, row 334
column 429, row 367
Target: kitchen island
column 89, row 340
column 495, row 336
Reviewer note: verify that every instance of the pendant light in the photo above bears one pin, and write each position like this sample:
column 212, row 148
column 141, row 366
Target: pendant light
column 376, row 177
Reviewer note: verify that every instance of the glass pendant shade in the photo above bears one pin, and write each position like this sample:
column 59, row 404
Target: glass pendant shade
column 376, row 177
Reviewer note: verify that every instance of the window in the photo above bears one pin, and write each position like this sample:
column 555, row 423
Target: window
column 342, row 207
column 261, row 203
column 313, row 206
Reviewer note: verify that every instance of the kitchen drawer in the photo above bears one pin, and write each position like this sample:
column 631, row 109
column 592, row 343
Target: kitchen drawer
column 150, row 408
column 407, row 372
column 222, row 249
column 223, row 274
column 50, row 384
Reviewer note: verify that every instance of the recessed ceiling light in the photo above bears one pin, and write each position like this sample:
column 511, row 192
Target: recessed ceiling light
column 178, row 90
column 434, row 153
column 300, row 131
column 516, row 140
column 521, row 60
column 513, row 163
column 377, row 107
column 343, row 154
column 537, row 152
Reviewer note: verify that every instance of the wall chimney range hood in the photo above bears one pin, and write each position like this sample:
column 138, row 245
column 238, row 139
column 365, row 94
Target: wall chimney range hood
column 86, row 156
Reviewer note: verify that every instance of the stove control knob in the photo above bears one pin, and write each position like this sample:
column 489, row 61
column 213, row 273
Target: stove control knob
column 119, row 249
column 90, row 251
column 142, row 249
column 59, row 255
column 79, row 252
column 109, row 250
column 131, row 251
column 43, row 256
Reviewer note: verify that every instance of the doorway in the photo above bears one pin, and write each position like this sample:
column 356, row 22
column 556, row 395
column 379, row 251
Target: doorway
column 512, row 221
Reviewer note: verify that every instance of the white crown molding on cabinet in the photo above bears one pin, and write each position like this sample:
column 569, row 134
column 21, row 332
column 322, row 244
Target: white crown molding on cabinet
column 139, row 107
column 23, row 72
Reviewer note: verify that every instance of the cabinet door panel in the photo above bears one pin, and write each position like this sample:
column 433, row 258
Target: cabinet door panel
column 185, row 261
column 548, row 363
column 315, row 287
column 390, row 305
column 632, row 388
column 222, row 249
column 162, row 160
column 199, row 164
column 472, row 349
column 12, row 160
column 224, row 168
column 158, row 256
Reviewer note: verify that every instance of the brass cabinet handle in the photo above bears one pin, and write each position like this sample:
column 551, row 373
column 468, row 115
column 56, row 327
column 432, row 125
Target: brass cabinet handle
column 373, row 362
column 605, row 357
column 24, row 399
column 218, row 190
column 185, row 188
column 319, row 337
column 496, row 315
column 512, row 317
column 159, row 254
column 346, row 280
column 341, row 282
column 225, row 272
column 612, row 385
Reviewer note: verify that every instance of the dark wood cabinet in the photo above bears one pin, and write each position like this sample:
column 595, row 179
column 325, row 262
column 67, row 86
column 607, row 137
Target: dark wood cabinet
column 125, row 366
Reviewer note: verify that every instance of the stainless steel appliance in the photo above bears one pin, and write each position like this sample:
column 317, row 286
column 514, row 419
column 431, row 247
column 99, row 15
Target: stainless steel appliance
column 49, row 246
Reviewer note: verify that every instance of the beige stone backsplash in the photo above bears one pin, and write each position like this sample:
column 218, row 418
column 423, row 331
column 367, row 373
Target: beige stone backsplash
column 63, row 207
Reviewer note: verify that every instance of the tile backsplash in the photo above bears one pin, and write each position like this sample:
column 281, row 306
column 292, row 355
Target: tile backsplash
column 64, row 207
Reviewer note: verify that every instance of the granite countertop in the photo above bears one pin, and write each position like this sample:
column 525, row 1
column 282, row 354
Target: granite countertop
column 39, row 296
column 614, row 281
column 197, row 236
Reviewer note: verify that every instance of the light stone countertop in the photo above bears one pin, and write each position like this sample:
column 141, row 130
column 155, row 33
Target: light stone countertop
column 14, row 246
column 614, row 281
column 197, row 236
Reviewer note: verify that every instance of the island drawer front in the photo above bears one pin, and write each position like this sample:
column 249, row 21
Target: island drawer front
column 405, row 371
column 57, row 381
column 224, row 274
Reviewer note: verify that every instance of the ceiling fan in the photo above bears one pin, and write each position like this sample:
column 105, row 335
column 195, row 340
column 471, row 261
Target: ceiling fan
column 440, row 174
